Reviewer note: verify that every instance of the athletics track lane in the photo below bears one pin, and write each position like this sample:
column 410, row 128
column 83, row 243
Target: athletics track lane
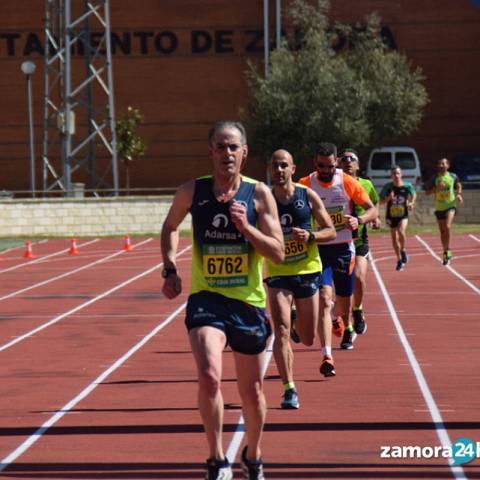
column 61, row 284
column 142, row 421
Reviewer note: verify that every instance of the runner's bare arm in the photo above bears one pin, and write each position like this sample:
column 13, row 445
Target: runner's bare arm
column 327, row 230
column 170, row 236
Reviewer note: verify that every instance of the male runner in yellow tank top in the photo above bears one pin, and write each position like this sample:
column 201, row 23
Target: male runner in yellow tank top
column 298, row 277
column 234, row 223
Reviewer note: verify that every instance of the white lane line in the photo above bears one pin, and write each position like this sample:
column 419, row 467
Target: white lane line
column 71, row 272
column 474, row 238
column 448, row 267
column 240, row 430
column 83, row 305
column 422, row 382
column 22, row 448
column 41, row 259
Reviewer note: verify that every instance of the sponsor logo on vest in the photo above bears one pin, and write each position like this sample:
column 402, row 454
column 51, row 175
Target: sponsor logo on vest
column 286, row 220
column 219, row 219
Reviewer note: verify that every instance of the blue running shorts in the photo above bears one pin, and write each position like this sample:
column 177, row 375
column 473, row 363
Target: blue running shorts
column 246, row 327
column 301, row 286
column 338, row 263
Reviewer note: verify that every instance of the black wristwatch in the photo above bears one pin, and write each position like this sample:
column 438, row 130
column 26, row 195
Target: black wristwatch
column 311, row 237
column 168, row 271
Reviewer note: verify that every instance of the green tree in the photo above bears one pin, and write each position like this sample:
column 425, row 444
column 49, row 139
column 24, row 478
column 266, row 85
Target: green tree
column 360, row 95
column 129, row 145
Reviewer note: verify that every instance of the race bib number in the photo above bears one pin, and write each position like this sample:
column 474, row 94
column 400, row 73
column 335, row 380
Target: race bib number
column 225, row 265
column 336, row 214
column 294, row 250
column 443, row 196
column 397, row 211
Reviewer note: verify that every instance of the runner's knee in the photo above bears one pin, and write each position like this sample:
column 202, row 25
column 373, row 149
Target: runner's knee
column 209, row 382
column 282, row 332
column 251, row 394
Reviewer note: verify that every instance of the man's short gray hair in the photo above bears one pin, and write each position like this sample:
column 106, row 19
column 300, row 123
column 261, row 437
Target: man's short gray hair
column 224, row 124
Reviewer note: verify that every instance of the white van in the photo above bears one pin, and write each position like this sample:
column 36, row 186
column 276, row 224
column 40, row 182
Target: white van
column 382, row 159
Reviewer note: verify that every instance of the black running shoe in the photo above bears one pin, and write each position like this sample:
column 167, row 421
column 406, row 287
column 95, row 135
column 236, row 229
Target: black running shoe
column 348, row 339
column 327, row 367
column 359, row 323
column 218, row 469
column 399, row 266
column 251, row 469
column 293, row 333
column 447, row 257
column 290, row 400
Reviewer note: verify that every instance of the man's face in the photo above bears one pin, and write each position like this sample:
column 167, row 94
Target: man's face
column 281, row 168
column 325, row 166
column 396, row 175
column 228, row 153
column 442, row 165
column 349, row 164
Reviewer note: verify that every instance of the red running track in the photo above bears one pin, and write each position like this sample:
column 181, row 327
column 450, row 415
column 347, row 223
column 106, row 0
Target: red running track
column 98, row 382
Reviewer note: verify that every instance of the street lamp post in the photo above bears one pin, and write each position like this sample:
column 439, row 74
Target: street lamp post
column 28, row 68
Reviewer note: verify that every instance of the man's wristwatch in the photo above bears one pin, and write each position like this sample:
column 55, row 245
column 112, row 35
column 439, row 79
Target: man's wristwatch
column 360, row 220
column 311, row 237
column 168, row 271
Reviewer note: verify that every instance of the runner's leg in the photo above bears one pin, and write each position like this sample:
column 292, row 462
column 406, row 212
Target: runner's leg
column 207, row 346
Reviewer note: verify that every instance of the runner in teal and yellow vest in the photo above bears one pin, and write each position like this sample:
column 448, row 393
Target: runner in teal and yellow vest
column 234, row 224
column 298, row 278
column 400, row 199
column 448, row 191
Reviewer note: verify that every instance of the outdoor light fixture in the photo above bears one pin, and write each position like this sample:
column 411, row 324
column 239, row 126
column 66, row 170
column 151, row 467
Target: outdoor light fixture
column 28, row 68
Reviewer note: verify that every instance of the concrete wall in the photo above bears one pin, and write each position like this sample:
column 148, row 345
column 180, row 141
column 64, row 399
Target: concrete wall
column 142, row 215
column 84, row 217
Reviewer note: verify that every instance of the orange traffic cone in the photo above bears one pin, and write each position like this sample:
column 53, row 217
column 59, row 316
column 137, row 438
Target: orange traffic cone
column 28, row 250
column 73, row 247
column 126, row 243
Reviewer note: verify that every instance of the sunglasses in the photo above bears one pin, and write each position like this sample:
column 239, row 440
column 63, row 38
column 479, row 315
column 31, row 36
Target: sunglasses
column 348, row 158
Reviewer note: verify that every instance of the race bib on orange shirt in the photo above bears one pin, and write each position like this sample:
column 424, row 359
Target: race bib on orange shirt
column 336, row 214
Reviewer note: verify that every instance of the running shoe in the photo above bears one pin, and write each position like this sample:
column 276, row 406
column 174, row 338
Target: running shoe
column 251, row 469
column 290, row 400
column 348, row 339
column 359, row 323
column 404, row 256
column 293, row 320
column 399, row 266
column 338, row 327
column 218, row 469
column 447, row 257
column 327, row 367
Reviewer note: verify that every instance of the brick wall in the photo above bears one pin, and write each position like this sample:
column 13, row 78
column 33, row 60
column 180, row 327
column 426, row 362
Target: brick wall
column 143, row 215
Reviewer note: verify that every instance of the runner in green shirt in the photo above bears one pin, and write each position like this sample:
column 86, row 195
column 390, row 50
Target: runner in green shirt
column 448, row 191
column 350, row 164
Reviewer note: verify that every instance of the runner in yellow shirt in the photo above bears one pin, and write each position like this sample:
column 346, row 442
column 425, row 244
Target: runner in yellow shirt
column 298, row 277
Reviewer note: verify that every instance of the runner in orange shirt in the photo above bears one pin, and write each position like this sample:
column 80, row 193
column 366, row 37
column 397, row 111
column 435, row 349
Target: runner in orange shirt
column 338, row 192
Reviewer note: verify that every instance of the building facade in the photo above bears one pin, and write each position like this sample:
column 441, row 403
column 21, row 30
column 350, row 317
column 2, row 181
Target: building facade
column 183, row 63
